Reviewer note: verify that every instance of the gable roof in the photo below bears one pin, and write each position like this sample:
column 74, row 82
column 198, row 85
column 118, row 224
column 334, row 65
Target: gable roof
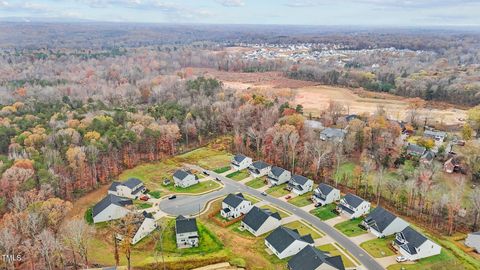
column 333, row 133
column 433, row 133
column 109, row 200
column 239, row 158
column 379, row 219
column 310, row 258
column 256, row 217
column 277, row 171
column 429, row 155
column 299, row 179
column 113, row 186
column 282, row 237
column 132, row 182
column 353, row 200
column 185, row 225
column 325, row 189
column 181, row 174
column 416, row 149
column 412, row 237
column 259, row 165
column 234, row 200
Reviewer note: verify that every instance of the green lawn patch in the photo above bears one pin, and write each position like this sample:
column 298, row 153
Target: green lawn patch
column 350, row 227
column 325, row 212
column 302, row 200
column 206, row 157
column 443, row 261
column 89, row 216
column 198, row 188
column 155, row 194
column 278, row 191
column 345, row 172
column 334, row 251
column 379, row 247
column 222, row 169
column 251, row 198
column 303, row 229
column 256, row 183
column 274, row 209
column 141, row 205
column 238, row 175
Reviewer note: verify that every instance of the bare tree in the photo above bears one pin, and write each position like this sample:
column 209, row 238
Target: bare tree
column 77, row 234
column 475, row 198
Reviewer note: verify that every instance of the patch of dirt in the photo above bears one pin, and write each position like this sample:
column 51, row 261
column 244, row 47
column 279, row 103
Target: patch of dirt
column 81, row 205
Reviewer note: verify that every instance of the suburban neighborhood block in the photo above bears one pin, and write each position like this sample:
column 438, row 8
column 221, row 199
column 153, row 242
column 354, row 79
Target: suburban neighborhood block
column 311, row 258
column 133, row 188
column 259, row 169
column 381, row 223
column 414, row 245
column 278, row 176
column 300, row 184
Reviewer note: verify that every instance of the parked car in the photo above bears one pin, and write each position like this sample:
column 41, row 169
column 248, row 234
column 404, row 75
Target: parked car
column 264, row 193
column 206, row 173
column 318, row 204
column 172, row 197
column 218, row 179
column 401, row 259
column 144, row 198
column 288, row 197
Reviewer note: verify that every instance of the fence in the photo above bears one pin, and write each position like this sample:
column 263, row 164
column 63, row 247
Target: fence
column 221, row 223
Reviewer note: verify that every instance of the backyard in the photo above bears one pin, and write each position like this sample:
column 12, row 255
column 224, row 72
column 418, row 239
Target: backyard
column 350, row 227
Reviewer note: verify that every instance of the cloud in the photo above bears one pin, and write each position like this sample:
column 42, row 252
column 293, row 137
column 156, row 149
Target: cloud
column 30, row 7
column 382, row 3
column 231, row 3
column 302, row 3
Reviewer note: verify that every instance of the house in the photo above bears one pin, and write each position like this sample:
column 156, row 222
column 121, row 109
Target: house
column 428, row 157
column 415, row 150
column 435, row 135
column 473, row 241
column 259, row 169
column 452, row 165
column 278, row 176
column 259, row 221
column 111, row 207
column 314, row 125
column 285, row 242
column 325, row 194
column 311, row 258
column 414, row 245
column 184, row 179
column 353, row 206
column 186, row 232
column 144, row 224
column 381, row 223
column 332, row 134
column 240, row 162
column 133, row 188
column 300, row 184
column 235, row 205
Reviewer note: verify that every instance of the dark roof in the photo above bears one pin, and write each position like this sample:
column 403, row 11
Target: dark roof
column 181, row 174
column 234, row 200
column 380, row 219
column 475, row 233
column 147, row 215
column 256, row 217
column 113, row 186
column 283, row 237
column 239, row 158
column 429, row 155
column 353, row 200
column 260, row 165
column 301, row 180
column 277, row 171
column 109, row 200
column 414, row 238
column 416, row 149
column 325, row 189
column 333, row 133
column 132, row 182
column 185, row 225
column 310, row 258
column 346, row 209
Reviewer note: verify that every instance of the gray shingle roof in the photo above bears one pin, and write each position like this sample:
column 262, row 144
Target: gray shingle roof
column 333, row 133
column 277, row 171
column 109, row 200
column 185, row 225
column 353, row 200
column 132, row 182
column 324, row 189
column 310, row 258
column 259, row 165
column 413, row 148
column 380, row 219
column 301, row 180
column 412, row 237
column 282, row 237
column 234, row 200
column 239, row 158
column 256, row 217
column 181, row 174
column 113, row 186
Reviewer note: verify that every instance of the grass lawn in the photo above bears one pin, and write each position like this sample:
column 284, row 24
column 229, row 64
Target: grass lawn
column 350, row 227
column 141, row 205
column 345, row 172
column 239, row 175
column 302, row 200
column 206, row 157
column 274, row 209
column 334, row 251
column 324, row 212
column 222, row 169
column 88, row 216
column 278, row 191
column 198, row 188
column 251, row 198
column 256, row 183
column 303, row 229
column 443, row 261
column 155, row 194
column 379, row 247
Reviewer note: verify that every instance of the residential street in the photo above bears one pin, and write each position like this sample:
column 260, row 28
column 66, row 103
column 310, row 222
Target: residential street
column 191, row 205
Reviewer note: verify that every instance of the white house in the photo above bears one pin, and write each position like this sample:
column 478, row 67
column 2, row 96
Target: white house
column 235, row 205
column 278, row 176
column 414, row 245
column 381, row 223
column 311, row 258
column 259, row 221
column 435, row 135
column 332, row 134
column 285, row 242
column 325, row 194
column 259, row 169
column 353, row 206
column 473, row 241
column 240, row 162
column 146, row 226
column 300, row 184
column 109, row 208
column 186, row 232
column 133, row 188
column 184, row 179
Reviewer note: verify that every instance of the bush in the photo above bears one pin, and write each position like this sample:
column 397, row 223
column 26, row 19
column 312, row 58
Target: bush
column 89, row 216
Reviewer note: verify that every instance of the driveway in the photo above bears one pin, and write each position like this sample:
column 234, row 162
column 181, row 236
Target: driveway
column 194, row 204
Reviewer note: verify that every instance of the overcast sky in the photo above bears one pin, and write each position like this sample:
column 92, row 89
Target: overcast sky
column 305, row 12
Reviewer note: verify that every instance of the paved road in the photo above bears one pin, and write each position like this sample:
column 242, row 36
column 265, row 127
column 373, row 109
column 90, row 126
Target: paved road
column 190, row 205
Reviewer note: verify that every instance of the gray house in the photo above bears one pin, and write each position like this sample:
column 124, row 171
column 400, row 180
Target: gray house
column 353, row 206
column 186, row 232
column 414, row 245
column 184, row 179
column 416, row 150
column 381, row 223
column 311, row 258
column 333, row 134
column 325, row 194
column 259, row 221
column 132, row 188
column 109, row 208
column 278, row 176
column 300, row 184
column 259, row 169
column 473, row 241
column 240, row 162
column 285, row 242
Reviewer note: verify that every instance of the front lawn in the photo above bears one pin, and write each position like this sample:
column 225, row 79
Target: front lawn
column 302, row 200
column 222, row 169
column 443, row 261
column 256, row 183
column 238, row 175
column 278, row 191
column 155, row 194
column 350, row 227
column 325, row 212
column 380, row 247
column 334, row 251
column 274, row 209
column 303, row 229
column 141, row 205
column 198, row 188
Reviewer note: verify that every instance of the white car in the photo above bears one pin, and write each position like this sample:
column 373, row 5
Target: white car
column 401, row 259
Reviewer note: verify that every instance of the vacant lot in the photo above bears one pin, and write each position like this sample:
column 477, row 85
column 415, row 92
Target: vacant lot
column 350, row 227
column 256, row 183
column 325, row 212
